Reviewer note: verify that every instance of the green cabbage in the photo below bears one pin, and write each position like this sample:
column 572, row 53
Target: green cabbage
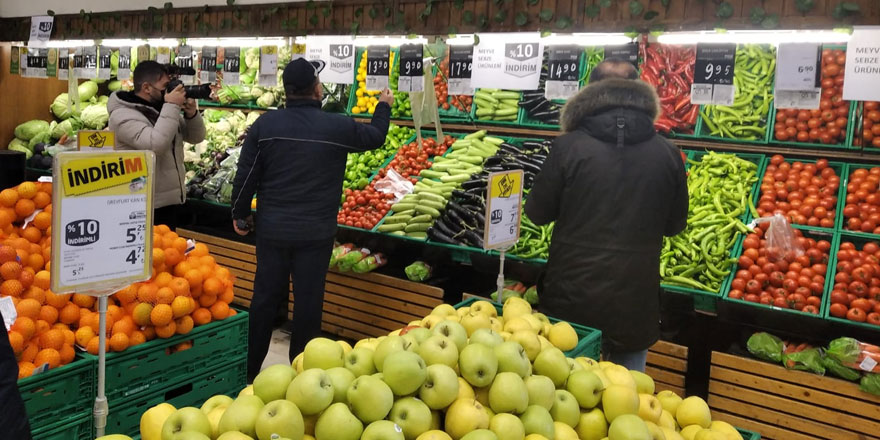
column 20, row 145
column 103, row 99
column 62, row 107
column 418, row 271
column 114, row 86
column 68, row 126
column 114, row 62
column 95, row 116
column 266, row 100
column 87, row 90
column 30, row 129
column 44, row 137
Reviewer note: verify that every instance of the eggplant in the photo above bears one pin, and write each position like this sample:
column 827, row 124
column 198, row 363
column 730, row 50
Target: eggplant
column 475, row 183
column 436, row 235
column 477, row 241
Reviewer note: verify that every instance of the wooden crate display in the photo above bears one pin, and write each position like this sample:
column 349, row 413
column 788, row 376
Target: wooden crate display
column 667, row 365
column 784, row 404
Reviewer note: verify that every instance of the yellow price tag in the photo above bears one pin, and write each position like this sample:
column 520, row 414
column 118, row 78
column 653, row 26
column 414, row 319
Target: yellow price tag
column 95, row 140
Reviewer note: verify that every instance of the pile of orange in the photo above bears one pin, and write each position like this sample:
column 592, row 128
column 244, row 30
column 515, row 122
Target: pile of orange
column 187, row 289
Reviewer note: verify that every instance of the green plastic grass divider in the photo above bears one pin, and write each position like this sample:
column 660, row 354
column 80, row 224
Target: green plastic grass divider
column 859, row 240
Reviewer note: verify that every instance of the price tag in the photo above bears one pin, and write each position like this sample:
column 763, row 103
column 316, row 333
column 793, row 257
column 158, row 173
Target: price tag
column 868, row 364
column 123, row 70
column 78, row 62
column 798, row 99
column 143, row 52
column 185, row 62
column 411, row 68
column 104, row 56
column 41, row 30
column 90, row 62
column 52, row 63
column 63, row 63
column 15, row 60
column 268, row 66
column 563, row 72
column 628, row 52
column 163, row 55
column 95, row 140
column 37, row 61
column 508, row 61
column 461, row 65
column 503, row 209
column 208, row 65
column 231, row 65
column 338, row 52
column 378, row 66
column 723, row 94
column 862, row 69
column 798, row 66
column 103, row 217
column 714, row 67
column 23, row 60
column 7, row 309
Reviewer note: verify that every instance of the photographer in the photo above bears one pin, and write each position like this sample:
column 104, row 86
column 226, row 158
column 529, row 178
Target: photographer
column 149, row 118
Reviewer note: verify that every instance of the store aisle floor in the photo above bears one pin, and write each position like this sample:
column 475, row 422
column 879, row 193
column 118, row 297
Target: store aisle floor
column 277, row 349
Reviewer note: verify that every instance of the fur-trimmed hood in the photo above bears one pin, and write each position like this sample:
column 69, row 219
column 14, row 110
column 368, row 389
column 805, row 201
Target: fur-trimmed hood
column 598, row 105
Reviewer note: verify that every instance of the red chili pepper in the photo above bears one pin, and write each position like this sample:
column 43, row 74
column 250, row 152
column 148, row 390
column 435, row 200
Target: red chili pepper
column 668, row 99
column 663, row 125
column 681, row 83
column 682, row 102
column 691, row 117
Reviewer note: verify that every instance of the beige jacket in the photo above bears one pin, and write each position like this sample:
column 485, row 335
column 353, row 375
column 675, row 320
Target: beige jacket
column 139, row 126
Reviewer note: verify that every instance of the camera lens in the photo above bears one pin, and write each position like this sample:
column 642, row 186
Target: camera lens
column 198, row 92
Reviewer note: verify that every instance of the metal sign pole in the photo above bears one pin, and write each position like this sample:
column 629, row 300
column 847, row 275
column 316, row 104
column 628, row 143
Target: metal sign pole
column 101, row 408
column 500, row 281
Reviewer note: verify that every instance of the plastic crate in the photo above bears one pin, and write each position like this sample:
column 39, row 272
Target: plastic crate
column 838, row 167
column 221, row 378
column 748, row 435
column 840, row 225
column 589, row 339
column 859, row 240
column 55, row 394
column 138, row 370
column 77, row 427
column 514, row 123
column 846, row 143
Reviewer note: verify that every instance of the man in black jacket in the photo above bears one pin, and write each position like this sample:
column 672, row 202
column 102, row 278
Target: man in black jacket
column 294, row 158
column 615, row 188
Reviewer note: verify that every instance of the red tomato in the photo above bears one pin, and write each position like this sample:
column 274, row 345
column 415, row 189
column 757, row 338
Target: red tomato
column 857, row 315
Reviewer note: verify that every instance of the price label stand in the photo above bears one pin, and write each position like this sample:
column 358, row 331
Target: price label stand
column 103, row 213
column 503, row 215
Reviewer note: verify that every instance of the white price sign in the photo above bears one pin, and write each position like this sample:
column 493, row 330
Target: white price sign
column 231, row 66
column 798, row 99
column 798, row 66
column 268, row 66
column 337, row 51
column 508, row 61
column 163, row 55
column 63, row 63
column 862, row 71
column 103, row 216
column 503, row 209
column 41, row 30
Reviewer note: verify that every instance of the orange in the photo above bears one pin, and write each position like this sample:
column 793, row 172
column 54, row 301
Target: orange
column 16, row 340
column 157, row 240
column 92, row 320
column 220, row 310
column 11, row 288
column 42, row 199
column 29, row 308
column 7, row 216
column 26, row 278
column 161, row 229
column 149, row 332
column 182, row 268
column 137, row 337
column 24, row 326
column 223, row 274
column 164, row 295
column 27, row 190
column 25, row 369
column 124, row 326
column 184, row 325
column 141, row 314
column 49, row 314
column 83, row 300
column 163, row 279
column 32, row 234
column 232, row 313
column 180, row 306
column 42, row 279
column 42, row 221
column 213, row 286
column 180, row 245
column 7, row 254
column 46, row 187
column 69, row 335
column 166, row 331
column 10, row 270
column 172, row 257
column 129, row 308
column 94, row 345
column 54, row 299
column 180, row 286
column 36, row 261
column 48, row 356
column 161, row 315
column 69, row 313
column 67, row 354
column 207, row 300
column 158, row 257
column 30, row 351
column 8, row 197
column 42, row 326
column 227, row 296
column 114, row 312
column 119, row 342
column 84, row 335
column 24, row 208
column 147, row 293
column 127, row 295
column 200, row 250
column 53, row 339
column 36, row 293
column 194, row 278
column 201, row 316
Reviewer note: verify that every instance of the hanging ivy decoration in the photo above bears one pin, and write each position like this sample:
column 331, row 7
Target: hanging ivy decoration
column 521, row 18
column 636, row 7
column 724, row 10
column 546, row 15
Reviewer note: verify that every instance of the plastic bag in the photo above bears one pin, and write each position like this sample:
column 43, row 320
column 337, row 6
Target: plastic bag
column 370, row 263
column 505, row 295
column 870, row 384
column 338, row 252
column 855, row 354
column 347, row 261
column 394, row 183
column 782, row 243
column 765, row 346
column 836, row 368
column 418, row 271
column 531, row 295
column 806, row 360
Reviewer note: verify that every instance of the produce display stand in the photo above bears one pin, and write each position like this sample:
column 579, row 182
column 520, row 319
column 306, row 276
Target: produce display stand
column 846, row 144
column 844, row 182
column 667, row 364
column 859, row 241
column 58, row 393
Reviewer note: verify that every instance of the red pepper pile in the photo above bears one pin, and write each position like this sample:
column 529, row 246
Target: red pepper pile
column 670, row 69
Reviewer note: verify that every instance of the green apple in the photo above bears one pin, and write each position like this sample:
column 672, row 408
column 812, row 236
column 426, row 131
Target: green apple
column 465, row 390
column 480, row 434
column 644, row 383
column 484, row 308
column 341, row 378
column 216, row 401
column 628, row 427
column 487, row 337
column 443, row 310
column 440, row 388
column 512, row 358
column 323, row 353
column 545, row 343
column 153, row 419
column 439, row 349
column 370, row 398
column 541, row 391
column 272, row 383
column 430, row 321
column 214, row 417
column 410, row 342
column 671, row 434
column 435, row 434
column 552, row 363
column 563, row 336
column 515, row 307
column 650, row 408
column 601, row 375
column 574, row 365
column 453, row 331
column 565, row 409
column 390, row 344
column 382, row 430
column 508, row 394
column 529, row 341
column 689, row 432
column 586, row 387
column 412, row 415
column 420, row 334
column 404, row 372
column 619, row 375
column 360, row 361
column 520, row 323
column 312, row 391
column 587, row 363
column 462, row 311
column 478, row 365
column 693, row 411
column 464, row 416
column 241, row 415
column 190, row 435
column 562, row 431
column 436, row 420
column 507, row 427
column 280, row 418
column 474, row 321
column 669, row 400
column 297, row 364
column 346, row 347
column 114, row 437
column 234, row 435
column 592, row 425
column 496, row 325
column 667, row 420
column 482, row 395
column 537, row 420
column 338, row 423
column 655, row 431
column 726, row 428
column 618, row 400
column 708, row 434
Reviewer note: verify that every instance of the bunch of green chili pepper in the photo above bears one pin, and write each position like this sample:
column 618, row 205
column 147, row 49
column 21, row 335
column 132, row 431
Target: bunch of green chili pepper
column 747, row 118
column 699, row 257
column 534, row 240
column 594, row 55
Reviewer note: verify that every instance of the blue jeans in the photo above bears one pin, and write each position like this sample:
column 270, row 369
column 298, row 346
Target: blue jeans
column 632, row 360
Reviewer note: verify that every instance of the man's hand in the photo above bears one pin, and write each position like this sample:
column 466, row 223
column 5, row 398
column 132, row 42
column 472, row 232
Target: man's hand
column 176, row 96
column 239, row 231
column 190, row 108
column 387, row 97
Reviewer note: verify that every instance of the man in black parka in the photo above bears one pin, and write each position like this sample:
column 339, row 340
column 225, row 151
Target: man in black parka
column 615, row 188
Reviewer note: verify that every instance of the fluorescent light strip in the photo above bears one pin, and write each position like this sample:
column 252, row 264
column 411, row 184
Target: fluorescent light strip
column 390, row 40
column 587, row 39
column 460, row 40
column 754, row 37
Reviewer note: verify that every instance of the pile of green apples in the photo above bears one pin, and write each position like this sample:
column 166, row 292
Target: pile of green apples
column 446, row 379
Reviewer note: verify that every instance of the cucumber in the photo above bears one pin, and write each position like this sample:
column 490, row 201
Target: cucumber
column 458, row 178
column 432, row 196
column 409, row 212
column 402, row 206
column 397, row 218
column 424, row 218
column 436, row 190
column 417, row 227
column 474, row 160
column 477, row 134
column 419, row 235
column 493, row 140
column 385, row 227
column 431, row 174
column 422, row 209
column 398, row 233
column 434, row 204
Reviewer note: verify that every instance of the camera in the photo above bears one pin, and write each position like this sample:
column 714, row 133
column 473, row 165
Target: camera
column 192, row 92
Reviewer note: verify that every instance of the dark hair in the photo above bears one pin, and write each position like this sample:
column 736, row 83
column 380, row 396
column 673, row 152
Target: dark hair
column 294, row 93
column 614, row 68
column 147, row 72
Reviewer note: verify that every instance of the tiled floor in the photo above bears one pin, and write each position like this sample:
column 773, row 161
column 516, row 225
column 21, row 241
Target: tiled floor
column 278, row 349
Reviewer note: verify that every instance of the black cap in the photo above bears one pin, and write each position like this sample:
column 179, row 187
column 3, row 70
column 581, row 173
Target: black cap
column 301, row 73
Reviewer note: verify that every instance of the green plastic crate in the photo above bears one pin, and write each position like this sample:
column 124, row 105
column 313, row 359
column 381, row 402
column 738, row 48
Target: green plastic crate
column 840, row 225
column 748, row 435
column 859, row 240
column 453, row 114
column 589, row 339
column 222, row 378
column 514, row 123
column 352, row 96
column 845, row 145
column 77, row 427
column 138, row 370
column 55, row 394
column 838, row 167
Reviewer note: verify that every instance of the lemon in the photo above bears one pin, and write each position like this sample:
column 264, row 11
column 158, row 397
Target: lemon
column 359, row 93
